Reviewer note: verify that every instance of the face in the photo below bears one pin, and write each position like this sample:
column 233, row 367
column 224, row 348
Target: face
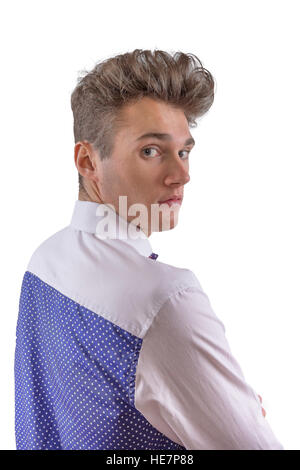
column 147, row 170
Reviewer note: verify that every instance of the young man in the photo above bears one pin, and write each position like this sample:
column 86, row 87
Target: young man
column 114, row 349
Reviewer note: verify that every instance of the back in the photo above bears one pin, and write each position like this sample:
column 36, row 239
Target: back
column 85, row 305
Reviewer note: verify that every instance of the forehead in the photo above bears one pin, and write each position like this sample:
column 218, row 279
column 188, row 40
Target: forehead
column 149, row 114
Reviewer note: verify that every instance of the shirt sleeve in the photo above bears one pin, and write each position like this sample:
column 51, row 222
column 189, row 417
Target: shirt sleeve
column 191, row 388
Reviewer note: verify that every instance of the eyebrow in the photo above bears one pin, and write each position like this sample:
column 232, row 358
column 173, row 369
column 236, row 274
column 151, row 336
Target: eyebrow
column 158, row 135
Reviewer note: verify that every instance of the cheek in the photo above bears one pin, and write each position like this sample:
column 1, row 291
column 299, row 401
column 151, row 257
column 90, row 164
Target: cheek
column 148, row 172
column 133, row 176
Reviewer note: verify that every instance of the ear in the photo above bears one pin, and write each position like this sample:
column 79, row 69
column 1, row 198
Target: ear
column 85, row 160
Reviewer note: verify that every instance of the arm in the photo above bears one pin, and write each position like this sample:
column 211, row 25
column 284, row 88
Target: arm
column 190, row 387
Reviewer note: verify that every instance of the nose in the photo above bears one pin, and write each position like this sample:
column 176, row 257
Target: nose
column 177, row 171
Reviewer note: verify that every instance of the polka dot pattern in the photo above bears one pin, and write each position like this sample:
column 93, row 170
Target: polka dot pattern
column 75, row 378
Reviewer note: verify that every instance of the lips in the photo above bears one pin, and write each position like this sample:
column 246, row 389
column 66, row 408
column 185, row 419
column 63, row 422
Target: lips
column 176, row 200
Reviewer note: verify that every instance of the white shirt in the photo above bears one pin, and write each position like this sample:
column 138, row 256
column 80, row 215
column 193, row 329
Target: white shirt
column 149, row 349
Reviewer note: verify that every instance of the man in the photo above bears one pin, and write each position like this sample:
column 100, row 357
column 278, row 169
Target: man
column 114, row 349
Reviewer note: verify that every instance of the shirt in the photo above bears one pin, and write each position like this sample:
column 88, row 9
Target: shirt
column 117, row 350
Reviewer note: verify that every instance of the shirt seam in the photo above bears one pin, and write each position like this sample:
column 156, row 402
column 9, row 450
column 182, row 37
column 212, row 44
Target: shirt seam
column 160, row 307
column 84, row 303
column 132, row 372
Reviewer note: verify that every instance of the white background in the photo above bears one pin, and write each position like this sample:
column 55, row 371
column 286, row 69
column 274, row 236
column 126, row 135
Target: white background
column 239, row 222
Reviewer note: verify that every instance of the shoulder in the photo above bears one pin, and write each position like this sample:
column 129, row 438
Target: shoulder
column 108, row 277
column 164, row 283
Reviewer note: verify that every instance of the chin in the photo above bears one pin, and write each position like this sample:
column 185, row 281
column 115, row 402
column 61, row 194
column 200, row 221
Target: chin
column 164, row 229
column 166, row 221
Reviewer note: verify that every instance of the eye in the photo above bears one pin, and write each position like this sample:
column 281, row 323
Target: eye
column 188, row 151
column 147, row 149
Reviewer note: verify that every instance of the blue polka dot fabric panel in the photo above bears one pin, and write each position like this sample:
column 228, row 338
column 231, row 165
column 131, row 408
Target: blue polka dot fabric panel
column 75, row 378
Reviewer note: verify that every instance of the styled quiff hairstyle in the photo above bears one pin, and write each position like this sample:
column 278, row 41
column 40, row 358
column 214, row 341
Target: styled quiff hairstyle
column 179, row 80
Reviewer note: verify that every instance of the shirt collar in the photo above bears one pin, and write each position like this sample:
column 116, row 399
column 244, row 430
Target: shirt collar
column 87, row 217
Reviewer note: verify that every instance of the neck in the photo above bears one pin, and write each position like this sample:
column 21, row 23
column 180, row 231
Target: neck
column 84, row 196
